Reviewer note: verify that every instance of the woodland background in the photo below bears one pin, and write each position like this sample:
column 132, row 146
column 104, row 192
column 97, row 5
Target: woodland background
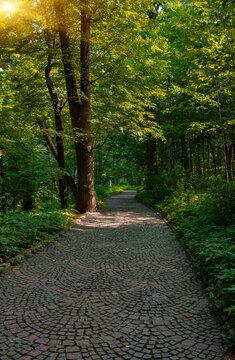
column 97, row 96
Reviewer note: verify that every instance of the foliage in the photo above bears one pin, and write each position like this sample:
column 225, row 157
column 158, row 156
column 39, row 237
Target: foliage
column 163, row 185
column 20, row 231
column 203, row 217
column 121, row 160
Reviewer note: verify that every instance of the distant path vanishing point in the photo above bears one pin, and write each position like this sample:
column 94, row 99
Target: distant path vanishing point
column 116, row 286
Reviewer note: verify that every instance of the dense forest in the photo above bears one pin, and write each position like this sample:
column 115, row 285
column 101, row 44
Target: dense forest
column 101, row 95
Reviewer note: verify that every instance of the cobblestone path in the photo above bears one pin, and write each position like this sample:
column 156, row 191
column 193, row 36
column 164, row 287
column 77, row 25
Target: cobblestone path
column 116, row 286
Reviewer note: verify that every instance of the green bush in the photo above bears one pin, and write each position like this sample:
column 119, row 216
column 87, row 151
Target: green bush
column 204, row 220
column 23, row 230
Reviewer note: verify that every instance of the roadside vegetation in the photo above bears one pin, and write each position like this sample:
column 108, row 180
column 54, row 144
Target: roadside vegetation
column 203, row 217
column 29, row 230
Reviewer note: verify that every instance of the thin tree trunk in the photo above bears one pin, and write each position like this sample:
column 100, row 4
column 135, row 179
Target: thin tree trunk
column 68, row 178
column 191, row 159
column 172, row 153
column 61, row 162
column 3, row 192
column 214, row 159
column 58, row 125
column 54, row 183
column 151, row 162
column 224, row 141
column 230, row 168
column 208, row 158
column 198, row 159
column 185, row 155
column 203, row 157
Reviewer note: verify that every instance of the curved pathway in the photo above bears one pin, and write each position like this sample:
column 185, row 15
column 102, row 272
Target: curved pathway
column 116, row 286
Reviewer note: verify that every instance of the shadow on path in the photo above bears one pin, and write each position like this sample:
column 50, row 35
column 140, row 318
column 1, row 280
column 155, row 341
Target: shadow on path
column 116, row 286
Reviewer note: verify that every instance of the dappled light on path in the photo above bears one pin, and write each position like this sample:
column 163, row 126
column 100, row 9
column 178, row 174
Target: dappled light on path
column 116, row 286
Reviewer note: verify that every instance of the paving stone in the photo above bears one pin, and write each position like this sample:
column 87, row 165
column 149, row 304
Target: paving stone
column 118, row 285
column 74, row 356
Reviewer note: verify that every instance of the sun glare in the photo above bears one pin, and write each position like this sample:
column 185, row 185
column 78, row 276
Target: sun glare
column 8, row 7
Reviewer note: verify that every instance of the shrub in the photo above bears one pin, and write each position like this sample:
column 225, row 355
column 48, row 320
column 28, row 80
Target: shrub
column 23, row 230
column 204, row 220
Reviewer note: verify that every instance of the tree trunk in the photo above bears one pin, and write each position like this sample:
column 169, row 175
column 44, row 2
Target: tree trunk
column 203, row 157
column 172, row 151
column 61, row 161
column 151, row 162
column 191, row 159
column 3, row 192
column 68, row 178
column 58, row 124
column 224, row 140
column 214, row 159
column 86, row 193
column 80, row 113
column 230, row 167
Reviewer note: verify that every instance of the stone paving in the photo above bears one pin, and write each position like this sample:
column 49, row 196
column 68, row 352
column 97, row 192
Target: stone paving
column 116, row 286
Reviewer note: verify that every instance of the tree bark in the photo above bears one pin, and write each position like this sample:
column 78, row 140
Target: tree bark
column 86, row 193
column 59, row 128
column 79, row 112
column 68, row 178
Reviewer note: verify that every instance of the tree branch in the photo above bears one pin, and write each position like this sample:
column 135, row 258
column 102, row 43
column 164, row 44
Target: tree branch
column 103, row 143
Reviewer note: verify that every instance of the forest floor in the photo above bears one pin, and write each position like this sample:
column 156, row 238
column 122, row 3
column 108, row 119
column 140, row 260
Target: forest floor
column 116, row 286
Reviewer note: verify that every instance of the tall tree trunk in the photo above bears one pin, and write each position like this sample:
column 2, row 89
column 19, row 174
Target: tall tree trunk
column 86, row 191
column 58, row 124
column 80, row 113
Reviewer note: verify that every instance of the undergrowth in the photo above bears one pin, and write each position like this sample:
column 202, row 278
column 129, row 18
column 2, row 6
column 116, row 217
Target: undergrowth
column 21, row 231
column 204, row 220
